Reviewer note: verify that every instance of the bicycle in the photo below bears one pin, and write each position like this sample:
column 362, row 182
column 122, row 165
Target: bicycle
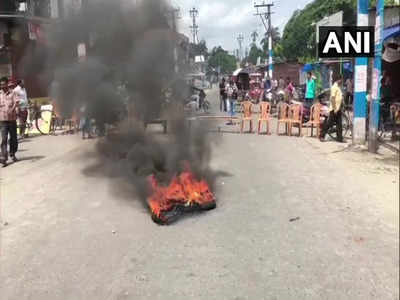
column 346, row 109
column 347, row 123
column 39, row 118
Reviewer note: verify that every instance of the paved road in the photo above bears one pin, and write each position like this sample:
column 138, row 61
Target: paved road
column 66, row 235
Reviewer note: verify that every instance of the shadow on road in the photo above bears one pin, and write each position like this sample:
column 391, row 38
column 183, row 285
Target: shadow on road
column 22, row 141
column 32, row 158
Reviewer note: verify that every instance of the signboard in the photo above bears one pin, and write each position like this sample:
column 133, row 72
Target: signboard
column 360, row 78
column 348, row 41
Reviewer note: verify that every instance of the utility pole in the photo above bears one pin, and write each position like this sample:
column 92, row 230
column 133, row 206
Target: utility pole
column 266, row 18
column 360, row 82
column 194, row 13
column 240, row 41
column 376, row 79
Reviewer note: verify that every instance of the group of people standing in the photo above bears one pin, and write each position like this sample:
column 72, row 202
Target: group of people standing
column 13, row 106
column 229, row 95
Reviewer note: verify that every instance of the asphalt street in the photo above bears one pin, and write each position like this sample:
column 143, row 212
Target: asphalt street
column 296, row 219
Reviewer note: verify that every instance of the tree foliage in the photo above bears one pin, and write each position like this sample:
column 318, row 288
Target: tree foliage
column 298, row 41
column 372, row 3
column 276, row 38
column 219, row 57
column 254, row 54
column 299, row 35
column 254, row 36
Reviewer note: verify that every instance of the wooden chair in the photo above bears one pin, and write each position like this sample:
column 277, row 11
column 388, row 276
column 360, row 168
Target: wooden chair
column 247, row 115
column 264, row 116
column 315, row 118
column 283, row 116
column 296, row 118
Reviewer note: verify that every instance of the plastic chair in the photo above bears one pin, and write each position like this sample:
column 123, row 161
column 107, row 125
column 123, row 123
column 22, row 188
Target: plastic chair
column 247, row 115
column 315, row 118
column 296, row 118
column 264, row 116
column 283, row 116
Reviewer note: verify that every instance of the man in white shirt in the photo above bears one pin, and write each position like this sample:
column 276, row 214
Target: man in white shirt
column 22, row 111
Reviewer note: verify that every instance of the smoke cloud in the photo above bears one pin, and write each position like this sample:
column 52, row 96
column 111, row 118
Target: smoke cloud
column 130, row 64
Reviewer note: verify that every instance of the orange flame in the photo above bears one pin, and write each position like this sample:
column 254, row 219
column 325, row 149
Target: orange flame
column 183, row 190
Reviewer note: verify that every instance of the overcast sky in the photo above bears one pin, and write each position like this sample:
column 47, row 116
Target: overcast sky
column 221, row 21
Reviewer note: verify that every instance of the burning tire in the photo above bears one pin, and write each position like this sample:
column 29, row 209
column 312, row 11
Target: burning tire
column 183, row 195
column 168, row 217
column 173, row 215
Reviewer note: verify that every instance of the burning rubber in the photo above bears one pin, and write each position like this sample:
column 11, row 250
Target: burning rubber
column 183, row 195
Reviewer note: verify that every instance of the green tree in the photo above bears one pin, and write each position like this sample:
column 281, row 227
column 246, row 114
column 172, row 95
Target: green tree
column 372, row 3
column 219, row 57
column 298, row 39
column 254, row 36
column 276, row 38
column 254, row 54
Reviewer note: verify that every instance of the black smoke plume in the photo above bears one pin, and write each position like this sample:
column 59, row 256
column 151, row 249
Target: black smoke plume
column 129, row 76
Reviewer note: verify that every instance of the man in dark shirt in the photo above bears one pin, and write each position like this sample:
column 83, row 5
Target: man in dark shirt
column 222, row 95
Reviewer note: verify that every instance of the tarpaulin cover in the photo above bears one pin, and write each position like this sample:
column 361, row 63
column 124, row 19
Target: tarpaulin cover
column 391, row 31
column 308, row 68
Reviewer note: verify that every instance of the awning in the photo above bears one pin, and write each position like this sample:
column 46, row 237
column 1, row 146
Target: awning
column 237, row 72
column 391, row 31
column 308, row 68
column 240, row 71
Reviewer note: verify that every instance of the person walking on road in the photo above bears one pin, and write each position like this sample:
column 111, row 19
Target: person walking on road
column 335, row 113
column 222, row 95
column 23, row 103
column 8, row 121
column 231, row 90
